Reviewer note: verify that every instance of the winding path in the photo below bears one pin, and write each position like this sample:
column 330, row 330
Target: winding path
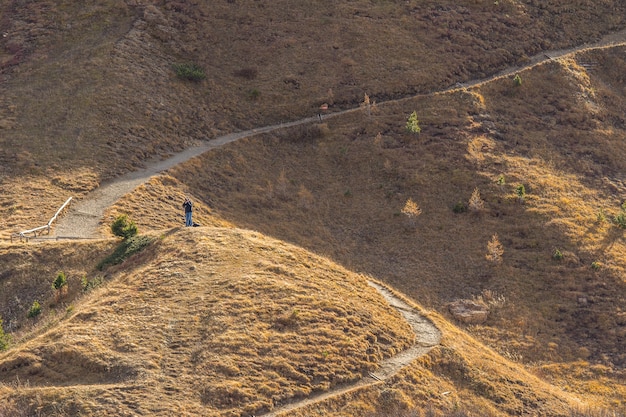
column 82, row 219
column 427, row 336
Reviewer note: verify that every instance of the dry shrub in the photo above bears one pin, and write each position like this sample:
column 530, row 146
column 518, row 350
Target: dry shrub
column 476, row 203
column 494, row 250
column 281, row 190
column 411, row 210
column 491, row 298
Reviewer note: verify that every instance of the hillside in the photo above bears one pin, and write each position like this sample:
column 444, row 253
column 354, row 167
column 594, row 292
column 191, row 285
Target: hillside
column 340, row 194
column 88, row 91
column 229, row 322
column 213, row 320
column 241, row 316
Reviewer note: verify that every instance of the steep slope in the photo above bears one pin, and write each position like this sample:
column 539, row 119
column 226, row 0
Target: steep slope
column 338, row 188
column 88, row 91
column 341, row 192
column 206, row 322
column 229, row 322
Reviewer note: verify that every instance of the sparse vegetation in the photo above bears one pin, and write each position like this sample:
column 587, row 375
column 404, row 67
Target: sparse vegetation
column 517, row 80
column 59, row 285
column 125, row 250
column 557, row 255
column 124, row 227
column 476, row 203
column 412, row 124
column 60, row 281
column 459, row 207
column 495, row 250
column 89, row 284
column 561, row 133
column 620, row 218
column 35, row 309
column 5, row 339
column 189, row 72
column 367, row 105
column 254, row 94
column 411, row 210
column 520, row 190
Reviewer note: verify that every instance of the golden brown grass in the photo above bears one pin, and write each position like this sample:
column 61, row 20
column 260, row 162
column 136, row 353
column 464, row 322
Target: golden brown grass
column 92, row 96
column 89, row 90
column 159, row 202
column 534, row 135
column 28, row 271
column 215, row 322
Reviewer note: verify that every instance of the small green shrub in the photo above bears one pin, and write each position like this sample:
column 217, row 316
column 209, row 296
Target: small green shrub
column 517, row 80
column 601, row 217
column 254, row 94
column 124, row 227
column 459, row 207
column 35, row 309
column 60, row 281
column 557, row 255
column 595, row 265
column 126, row 249
column 501, row 181
column 189, row 72
column 90, row 284
column 5, row 339
column 620, row 219
column 412, row 124
column 521, row 192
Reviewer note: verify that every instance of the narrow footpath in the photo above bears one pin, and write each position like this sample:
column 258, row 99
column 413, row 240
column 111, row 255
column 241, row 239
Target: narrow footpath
column 427, row 336
column 83, row 218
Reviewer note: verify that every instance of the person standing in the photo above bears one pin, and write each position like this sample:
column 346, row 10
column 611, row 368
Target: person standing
column 188, row 206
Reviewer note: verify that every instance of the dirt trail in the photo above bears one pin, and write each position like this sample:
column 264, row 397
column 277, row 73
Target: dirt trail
column 83, row 218
column 426, row 337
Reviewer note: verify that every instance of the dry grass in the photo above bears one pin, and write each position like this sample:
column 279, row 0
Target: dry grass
column 218, row 321
column 88, row 90
column 359, row 182
column 159, row 202
column 87, row 93
column 28, row 271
